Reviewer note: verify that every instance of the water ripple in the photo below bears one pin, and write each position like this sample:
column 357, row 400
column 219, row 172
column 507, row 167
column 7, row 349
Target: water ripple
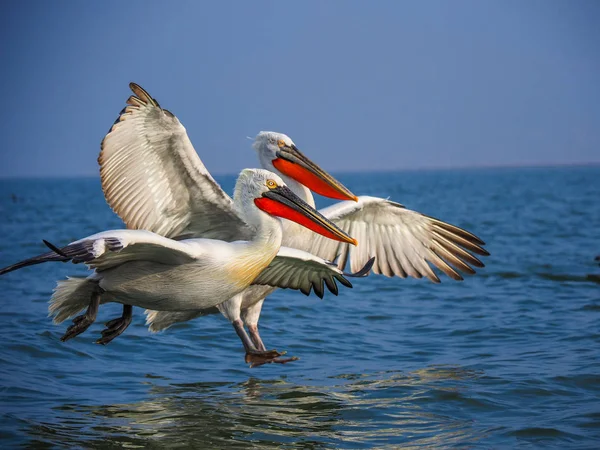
column 508, row 358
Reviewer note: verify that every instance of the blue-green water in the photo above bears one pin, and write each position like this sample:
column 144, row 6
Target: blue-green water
column 508, row 358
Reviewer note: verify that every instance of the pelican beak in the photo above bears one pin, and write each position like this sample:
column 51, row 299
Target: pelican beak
column 282, row 202
column 292, row 162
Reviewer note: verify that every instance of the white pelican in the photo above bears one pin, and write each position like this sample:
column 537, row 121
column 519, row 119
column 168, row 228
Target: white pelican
column 402, row 241
column 142, row 268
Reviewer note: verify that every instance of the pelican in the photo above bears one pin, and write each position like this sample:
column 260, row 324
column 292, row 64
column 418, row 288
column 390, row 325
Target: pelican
column 402, row 242
column 145, row 269
column 158, row 197
column 149, row 170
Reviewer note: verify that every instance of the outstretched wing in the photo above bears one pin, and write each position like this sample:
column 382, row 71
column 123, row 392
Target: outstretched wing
column 404, row 242
column 296, row 269
column 154, row 180
column 112, row 248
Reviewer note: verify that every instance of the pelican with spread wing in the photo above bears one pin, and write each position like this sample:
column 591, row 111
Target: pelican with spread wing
column 145, row 269
column 404, row 243
column 148, row 168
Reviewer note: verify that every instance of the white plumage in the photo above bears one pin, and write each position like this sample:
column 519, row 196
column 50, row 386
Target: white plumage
column 152, row 175
column 145, row 269
column 404, row 242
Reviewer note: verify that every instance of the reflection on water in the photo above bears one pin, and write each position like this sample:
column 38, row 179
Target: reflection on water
column 354, row 411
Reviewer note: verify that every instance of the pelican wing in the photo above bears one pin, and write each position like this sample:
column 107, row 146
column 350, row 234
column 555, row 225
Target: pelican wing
column 154, row 180
column 404, row 242
column 296, row 269
column 112, row 248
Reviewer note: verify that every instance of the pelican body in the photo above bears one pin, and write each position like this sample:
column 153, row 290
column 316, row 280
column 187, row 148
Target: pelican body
column 142, row 268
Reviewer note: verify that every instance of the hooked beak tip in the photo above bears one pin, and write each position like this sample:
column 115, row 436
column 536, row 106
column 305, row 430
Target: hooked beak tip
column 295, row 165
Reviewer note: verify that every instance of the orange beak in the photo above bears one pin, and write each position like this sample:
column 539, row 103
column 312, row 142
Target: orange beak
column 282, row 202
column 291, row 162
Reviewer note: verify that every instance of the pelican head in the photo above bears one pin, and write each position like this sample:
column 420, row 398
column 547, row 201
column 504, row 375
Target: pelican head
column 279, row 153
column 268, row 192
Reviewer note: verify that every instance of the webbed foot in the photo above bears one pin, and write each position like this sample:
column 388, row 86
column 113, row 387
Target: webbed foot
column 116, row 326
column 257, row 358
column 80, row 324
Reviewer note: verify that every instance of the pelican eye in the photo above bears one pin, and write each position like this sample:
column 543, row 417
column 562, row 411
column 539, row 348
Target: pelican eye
column 280, row 144
column 271, row 184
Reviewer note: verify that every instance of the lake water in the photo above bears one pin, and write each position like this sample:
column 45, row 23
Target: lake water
column 508, row 358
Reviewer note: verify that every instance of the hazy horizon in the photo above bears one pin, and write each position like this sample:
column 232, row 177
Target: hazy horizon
column 385, row 86
column 593, row 164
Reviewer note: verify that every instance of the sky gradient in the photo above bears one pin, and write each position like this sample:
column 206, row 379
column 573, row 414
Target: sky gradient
column 384, row 85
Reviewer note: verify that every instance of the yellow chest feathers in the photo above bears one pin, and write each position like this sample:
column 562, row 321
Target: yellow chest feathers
column 245, row 268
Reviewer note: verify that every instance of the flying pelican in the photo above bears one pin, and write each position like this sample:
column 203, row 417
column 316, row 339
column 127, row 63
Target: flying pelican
column 402, row 241
column 142, row 268
column 150, row 138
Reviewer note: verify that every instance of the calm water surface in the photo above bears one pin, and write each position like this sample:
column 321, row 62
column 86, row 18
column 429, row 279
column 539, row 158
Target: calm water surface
column 508, row 358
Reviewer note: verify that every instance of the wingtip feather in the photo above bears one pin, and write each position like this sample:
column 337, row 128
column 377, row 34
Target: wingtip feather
column 142, row 94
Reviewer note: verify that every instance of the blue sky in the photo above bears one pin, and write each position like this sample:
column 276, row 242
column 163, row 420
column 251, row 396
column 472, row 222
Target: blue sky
column 358, row 85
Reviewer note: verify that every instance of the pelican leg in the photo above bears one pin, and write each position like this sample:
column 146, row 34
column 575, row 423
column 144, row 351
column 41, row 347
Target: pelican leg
column 258, row 357
column 82, row 322
column 250, row 317
column 255, row 336
column 116, row 326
